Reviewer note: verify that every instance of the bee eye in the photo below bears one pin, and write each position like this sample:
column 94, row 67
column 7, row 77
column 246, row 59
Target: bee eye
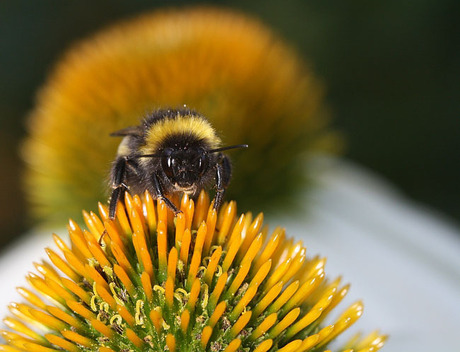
column 202, row 163
column 167, row 163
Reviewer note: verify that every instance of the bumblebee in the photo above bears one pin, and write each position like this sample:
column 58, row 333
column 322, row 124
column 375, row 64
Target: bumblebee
column 174, row 150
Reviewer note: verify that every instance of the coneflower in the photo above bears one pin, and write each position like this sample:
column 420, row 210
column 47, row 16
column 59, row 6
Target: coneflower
column 200, row 281
column 229, row 67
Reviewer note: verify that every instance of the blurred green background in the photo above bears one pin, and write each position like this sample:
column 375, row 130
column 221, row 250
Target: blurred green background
column 392, row 71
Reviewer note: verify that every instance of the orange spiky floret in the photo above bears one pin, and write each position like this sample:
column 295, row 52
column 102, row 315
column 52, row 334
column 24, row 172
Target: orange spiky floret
column 130, row 284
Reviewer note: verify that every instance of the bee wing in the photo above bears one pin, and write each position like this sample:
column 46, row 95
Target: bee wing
column 128, row 131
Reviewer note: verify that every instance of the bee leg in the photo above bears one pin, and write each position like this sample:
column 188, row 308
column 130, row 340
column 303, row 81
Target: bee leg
column 223, row 174
column 160, row 195
column 117, row 194
column 119, row 188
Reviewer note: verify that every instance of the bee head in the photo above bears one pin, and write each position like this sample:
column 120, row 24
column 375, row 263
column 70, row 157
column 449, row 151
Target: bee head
column 184, row 166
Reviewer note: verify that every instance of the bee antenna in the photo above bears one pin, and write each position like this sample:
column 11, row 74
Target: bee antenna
column 227, row 148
